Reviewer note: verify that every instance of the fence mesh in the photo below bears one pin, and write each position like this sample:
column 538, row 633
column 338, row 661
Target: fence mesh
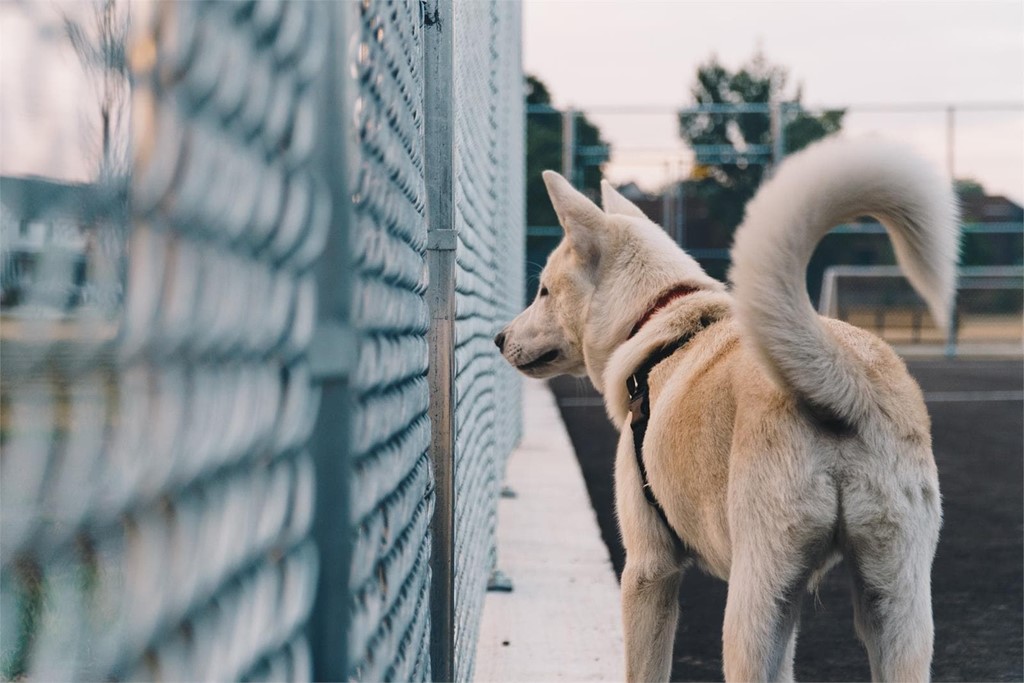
column 391, row 484
column 156, row 311
column 165, row 198
column 485, row 57
column 510, row 217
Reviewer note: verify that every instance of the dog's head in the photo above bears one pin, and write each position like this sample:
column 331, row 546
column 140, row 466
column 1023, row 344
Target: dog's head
column 595, row 286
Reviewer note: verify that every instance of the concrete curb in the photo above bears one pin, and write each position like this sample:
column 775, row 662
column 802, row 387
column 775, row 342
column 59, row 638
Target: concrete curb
column 561, row 622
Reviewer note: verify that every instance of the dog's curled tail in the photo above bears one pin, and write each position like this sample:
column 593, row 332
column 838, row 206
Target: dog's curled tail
column 827, row 184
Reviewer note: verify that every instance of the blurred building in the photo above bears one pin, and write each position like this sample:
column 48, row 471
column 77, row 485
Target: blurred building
column 990, row 209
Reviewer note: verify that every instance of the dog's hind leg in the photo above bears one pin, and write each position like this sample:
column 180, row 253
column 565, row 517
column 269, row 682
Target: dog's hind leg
column 782, row 528
column 890, row 548
column 786, row 672
column 761, row 615
column 650, row 611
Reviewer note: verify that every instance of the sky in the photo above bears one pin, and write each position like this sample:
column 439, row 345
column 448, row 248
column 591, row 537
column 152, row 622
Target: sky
column 599, row 55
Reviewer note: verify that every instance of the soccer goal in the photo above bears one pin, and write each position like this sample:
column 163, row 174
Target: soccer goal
column 987, row 317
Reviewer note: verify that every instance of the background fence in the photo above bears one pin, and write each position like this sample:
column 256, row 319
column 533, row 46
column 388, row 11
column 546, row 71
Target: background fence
column 854, row 260
column 221, row 224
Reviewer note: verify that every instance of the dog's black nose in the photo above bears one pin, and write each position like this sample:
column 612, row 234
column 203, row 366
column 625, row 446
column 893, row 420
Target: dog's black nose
column 499, row 341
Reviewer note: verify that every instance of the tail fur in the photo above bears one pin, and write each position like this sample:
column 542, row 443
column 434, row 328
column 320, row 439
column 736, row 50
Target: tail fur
column 827, row 184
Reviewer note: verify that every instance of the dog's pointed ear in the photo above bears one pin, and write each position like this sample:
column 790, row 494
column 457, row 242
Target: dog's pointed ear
column 614, row 202
column 582, row 220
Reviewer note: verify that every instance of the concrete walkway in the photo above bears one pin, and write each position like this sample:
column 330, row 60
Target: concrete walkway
column 561, row 621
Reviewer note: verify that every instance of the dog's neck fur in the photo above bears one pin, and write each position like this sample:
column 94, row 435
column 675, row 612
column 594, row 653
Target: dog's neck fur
column 681, row 318
column 664, row 299
column 642, row 262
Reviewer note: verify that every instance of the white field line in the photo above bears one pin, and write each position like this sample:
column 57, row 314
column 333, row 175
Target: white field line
column 970, row 396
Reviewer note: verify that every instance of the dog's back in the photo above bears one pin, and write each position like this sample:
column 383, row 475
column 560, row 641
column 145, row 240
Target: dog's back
column 716, row 405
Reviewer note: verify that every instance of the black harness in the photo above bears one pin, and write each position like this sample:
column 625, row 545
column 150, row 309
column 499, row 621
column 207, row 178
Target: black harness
column 640, row 414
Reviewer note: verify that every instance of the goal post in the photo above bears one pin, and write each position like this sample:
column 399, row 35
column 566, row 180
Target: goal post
column 986, row 316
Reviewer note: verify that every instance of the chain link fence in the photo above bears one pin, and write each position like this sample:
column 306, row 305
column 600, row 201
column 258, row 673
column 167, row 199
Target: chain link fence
column 486, row 391
column 389, row 481
column 217, row 458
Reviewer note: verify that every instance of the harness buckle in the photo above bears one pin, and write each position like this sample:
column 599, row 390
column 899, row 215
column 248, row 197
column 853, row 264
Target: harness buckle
column 632, row 386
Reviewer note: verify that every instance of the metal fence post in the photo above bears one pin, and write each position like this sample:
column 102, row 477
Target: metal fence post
column 668, row 200
column 680, row 207
column 569, row 145
column 778, row 132
column 951, row 142
column 439, row 120
column 332, row 354
column 952, row 332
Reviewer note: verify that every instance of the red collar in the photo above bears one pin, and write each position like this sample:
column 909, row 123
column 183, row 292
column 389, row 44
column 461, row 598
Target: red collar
column 667, row 297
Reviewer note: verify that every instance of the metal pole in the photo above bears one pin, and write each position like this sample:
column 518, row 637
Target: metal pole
column 950, row 142
column 332, row 351
column 783, row 119
column 778, row 130
column 569, row 145
column 667, row 199
column 951, row 333
column 439, row 151
column 680, row 207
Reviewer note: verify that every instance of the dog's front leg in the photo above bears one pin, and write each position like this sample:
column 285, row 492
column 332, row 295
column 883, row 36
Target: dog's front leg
column 650, row 580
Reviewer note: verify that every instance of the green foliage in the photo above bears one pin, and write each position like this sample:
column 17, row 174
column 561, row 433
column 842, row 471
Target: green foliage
column 726, row 187
column 544, row 152
column 536, row 91
column 968, row 188
column 804, row 129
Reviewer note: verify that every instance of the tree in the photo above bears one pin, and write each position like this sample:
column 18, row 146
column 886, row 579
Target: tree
column 544, row 152
column 968, row 189
column 727, row 177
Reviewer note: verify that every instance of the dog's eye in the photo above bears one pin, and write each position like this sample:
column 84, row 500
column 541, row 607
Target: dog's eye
column 543, row 291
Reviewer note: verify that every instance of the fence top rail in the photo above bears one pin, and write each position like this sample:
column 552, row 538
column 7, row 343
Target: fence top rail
column 875, row 227
column 765, row 108
column 845, row 228
column 895, row 271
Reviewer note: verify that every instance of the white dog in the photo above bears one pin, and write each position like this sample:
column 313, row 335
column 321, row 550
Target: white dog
column 773, row 442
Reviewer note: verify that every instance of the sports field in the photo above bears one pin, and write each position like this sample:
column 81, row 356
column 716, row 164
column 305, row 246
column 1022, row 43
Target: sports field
column 977, row 410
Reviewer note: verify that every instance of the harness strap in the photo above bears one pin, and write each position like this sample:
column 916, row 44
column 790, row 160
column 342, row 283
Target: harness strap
column 640, row 414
